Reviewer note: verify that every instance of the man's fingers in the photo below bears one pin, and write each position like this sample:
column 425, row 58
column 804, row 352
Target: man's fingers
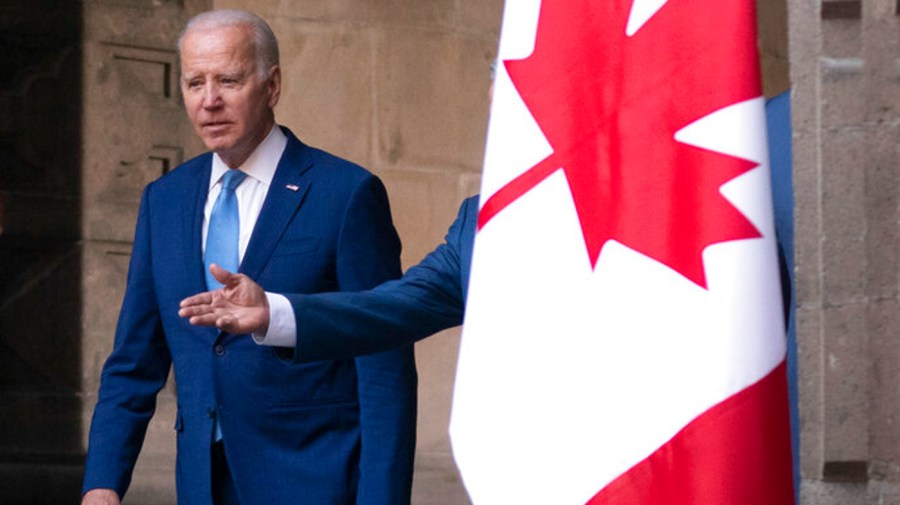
column 198, row 299
column 194, row 310
column 208, row 319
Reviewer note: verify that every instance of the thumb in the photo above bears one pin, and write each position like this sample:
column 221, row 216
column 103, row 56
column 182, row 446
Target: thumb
column 225, row 323
column 224, row 277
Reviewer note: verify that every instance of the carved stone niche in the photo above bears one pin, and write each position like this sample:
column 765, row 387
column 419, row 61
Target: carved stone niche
column 135, row 134
column 841, row 9
column 149, row 70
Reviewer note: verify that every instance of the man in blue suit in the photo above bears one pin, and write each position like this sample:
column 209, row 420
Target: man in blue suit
column 430, row 297
column 253, row 427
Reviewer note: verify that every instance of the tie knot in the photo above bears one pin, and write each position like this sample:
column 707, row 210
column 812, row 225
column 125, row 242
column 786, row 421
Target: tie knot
column 232, row 179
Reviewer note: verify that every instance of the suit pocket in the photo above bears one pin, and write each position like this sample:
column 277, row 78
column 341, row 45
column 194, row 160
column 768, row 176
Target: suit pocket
column 284, row 354
column 297, row 246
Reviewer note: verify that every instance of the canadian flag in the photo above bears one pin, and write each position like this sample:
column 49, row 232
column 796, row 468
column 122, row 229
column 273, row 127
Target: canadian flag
column 624, row 338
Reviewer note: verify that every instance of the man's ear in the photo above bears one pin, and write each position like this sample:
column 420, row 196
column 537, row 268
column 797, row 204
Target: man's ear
column 274, row 86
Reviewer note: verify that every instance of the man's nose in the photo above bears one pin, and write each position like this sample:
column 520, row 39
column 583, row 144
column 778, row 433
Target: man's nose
column 212, row 96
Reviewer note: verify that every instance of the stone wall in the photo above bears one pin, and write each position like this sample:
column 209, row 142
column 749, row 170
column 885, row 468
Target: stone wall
column 845, row 96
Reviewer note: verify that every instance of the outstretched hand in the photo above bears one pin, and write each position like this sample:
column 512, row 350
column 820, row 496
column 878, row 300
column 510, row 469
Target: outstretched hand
column 240, row 306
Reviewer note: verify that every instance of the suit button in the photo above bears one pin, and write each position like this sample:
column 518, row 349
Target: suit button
column 219, row 349
column 211, row 413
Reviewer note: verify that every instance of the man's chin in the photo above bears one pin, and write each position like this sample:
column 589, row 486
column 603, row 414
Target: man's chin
column 217, row 143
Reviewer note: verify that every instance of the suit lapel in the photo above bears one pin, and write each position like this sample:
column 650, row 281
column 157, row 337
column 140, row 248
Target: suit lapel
column 192, row 223
column 186, row 220
column 286, row 194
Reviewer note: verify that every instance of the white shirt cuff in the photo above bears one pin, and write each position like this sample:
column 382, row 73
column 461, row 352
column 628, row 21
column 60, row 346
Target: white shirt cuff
column 282, row 324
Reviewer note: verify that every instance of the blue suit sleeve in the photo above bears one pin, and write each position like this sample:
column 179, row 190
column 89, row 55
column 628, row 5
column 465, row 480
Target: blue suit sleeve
column 429, row 298
column 132, row 376
column 369, row 254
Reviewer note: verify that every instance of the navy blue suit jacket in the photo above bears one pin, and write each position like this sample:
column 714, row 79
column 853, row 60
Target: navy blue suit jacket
column 430, row 297
column 335, row 432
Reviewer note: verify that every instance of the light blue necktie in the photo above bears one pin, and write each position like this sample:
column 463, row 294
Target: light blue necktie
column 224, row 229
column 222, row 237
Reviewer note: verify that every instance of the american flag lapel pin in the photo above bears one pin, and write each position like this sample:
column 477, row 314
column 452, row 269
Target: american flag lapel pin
column 293, row 187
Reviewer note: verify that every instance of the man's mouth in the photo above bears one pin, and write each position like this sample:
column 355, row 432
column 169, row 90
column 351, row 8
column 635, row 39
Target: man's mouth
column 213, row 125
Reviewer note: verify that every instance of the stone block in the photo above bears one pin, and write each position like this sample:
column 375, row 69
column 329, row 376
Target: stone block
column 327, row 81
column 105, row 269
column 841, row 37
column 424, row 205
column 810, row 353
column 881, row 492
column 434, row 13
column 843, row 221
column 877, row 10
column 155, row 24
column 436, row 358
column 416, row 13
column 807, row 220
column 470, row 184
column 819, row 493
column 154, row 473
column 846, row 385
column 883, row 319
column 269, row 9
column 436, row 481
column 805, row 107
column 882, row 206
column 485, row 16
column 843, row 493
column 882, row 90
column 841, row 96
column 804, row 38
column 431, row 92
column 319, row 11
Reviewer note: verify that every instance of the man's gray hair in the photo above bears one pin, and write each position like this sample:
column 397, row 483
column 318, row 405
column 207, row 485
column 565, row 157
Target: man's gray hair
column 266, row 44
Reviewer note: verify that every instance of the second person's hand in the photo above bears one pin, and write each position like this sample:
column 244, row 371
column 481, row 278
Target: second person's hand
column 240, row 306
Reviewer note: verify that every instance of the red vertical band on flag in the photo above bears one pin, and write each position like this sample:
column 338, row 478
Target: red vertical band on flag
column 738, row 452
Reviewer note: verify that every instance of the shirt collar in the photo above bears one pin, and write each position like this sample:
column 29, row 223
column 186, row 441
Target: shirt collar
column 262, row 162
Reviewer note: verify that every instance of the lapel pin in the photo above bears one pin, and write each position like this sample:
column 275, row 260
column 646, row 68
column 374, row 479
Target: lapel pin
column 293, row 187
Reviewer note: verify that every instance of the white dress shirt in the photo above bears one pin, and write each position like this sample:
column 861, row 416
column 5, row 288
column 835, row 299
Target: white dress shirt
column 251, row 193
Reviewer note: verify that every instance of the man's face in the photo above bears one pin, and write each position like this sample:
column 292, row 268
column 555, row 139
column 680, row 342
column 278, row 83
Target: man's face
column 228, row 101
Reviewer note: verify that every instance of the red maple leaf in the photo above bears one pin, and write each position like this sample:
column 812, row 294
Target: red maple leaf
column 610, row 104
